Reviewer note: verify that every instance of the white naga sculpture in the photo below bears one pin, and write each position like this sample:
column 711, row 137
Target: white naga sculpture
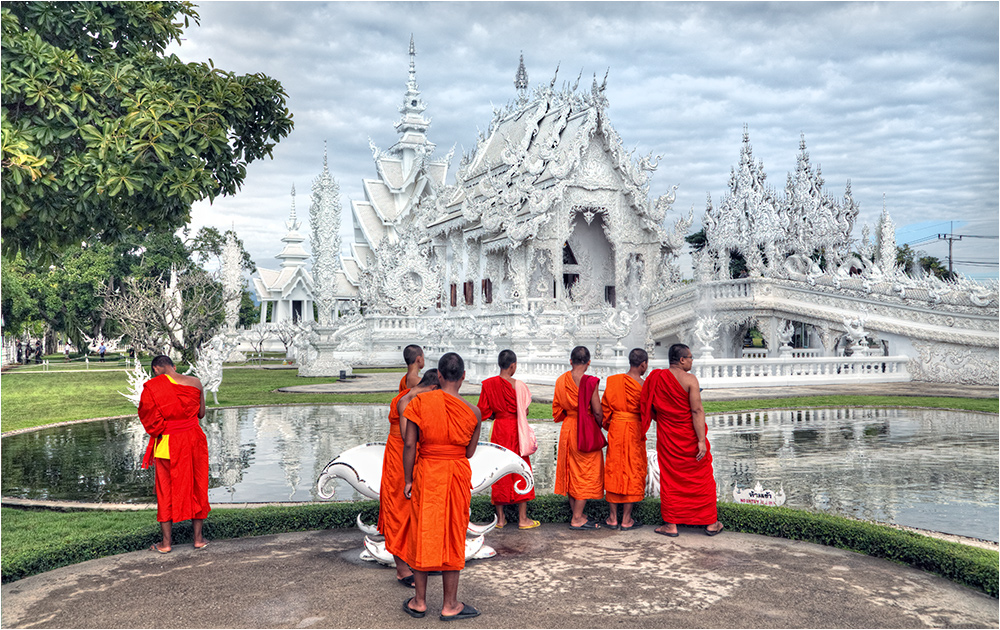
column 706, row 329
column 361, row 467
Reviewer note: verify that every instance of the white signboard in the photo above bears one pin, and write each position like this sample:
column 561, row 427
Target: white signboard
column 759, row 496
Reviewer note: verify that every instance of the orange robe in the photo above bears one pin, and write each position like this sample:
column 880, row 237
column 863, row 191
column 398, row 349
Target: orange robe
column 394, row 507
column 402, row 385
column 497, row 399
column 687, row 486
column 442, row 483
column 168, row 408
column 625, row 470
column 578, row 475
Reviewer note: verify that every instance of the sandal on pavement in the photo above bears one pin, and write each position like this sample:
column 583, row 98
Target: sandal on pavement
column 467, row 612
column 671, row 534
column 407, row 581
column 157, row 549
column 709, row 532
column 588, row 525
column 533, row 525
column 635, row 525
column 416, row 614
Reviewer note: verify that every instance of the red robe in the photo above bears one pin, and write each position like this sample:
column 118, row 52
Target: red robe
column 687, row 486
column 394, row 507
column 442, row 483
column 497, row 399
column 578, row 475
column 625, row 468
column 169, row 408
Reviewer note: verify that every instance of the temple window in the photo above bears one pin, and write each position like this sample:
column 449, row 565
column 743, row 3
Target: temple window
column 470, row 292
column 609, row 295
column 487, row 291
column 454, row 294
column 568, row 257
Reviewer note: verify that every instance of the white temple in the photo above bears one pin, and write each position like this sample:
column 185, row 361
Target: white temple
column 548, row 239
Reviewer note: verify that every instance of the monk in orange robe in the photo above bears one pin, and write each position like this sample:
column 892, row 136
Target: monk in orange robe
column 394, row 507
column 170, row 407
column 672, row 398
column 413, row 355
column 498, row 399
column 625, row 470
column 439, row 486
column 579, row 475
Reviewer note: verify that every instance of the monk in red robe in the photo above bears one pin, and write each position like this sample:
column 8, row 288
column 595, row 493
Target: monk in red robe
column 579, row 475
column 413, row 355
column 498, row 399
column 439, row 486
column 625, row 469
column 672, row 398
column 170, row 407
column 394, row 507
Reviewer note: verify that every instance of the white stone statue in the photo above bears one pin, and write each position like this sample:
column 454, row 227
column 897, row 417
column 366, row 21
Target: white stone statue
column 706, row 329
column 208, row 366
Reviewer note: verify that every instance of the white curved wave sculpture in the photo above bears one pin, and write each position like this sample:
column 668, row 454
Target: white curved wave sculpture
column 361, row 468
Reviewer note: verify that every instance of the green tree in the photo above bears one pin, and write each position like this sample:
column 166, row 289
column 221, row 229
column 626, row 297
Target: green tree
column 102, row 132
column 910, row 260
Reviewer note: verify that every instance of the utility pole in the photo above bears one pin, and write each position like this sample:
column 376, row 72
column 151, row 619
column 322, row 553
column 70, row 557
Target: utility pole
column 951, row 237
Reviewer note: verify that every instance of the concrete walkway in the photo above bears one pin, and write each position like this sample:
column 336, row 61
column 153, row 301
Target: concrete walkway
column 389, row 382
column 549, row 577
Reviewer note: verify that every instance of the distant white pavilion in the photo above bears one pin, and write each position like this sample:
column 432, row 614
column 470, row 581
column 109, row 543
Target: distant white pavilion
column 288, row 291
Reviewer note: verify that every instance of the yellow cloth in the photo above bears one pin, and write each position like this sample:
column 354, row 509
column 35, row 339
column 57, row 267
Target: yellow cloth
column 162, row 449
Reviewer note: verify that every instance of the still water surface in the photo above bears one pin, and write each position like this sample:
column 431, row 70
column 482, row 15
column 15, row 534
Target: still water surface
column 930, row 469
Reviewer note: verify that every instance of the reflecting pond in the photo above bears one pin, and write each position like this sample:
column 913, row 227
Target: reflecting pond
column 924, row 468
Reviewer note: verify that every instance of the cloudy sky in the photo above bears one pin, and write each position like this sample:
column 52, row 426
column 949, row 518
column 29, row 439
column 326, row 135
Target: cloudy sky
column 900, row 98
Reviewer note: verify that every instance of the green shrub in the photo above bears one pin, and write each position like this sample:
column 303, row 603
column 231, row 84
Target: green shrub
column 971, row 566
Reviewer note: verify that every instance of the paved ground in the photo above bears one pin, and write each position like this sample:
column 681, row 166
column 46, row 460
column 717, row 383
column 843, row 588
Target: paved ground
column 389, row 382
column 549, row 577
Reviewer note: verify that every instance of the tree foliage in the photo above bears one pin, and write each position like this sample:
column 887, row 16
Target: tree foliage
column 910, row 260
column 103, row 133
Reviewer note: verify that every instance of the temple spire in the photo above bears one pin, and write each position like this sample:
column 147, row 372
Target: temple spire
column 521, row 82
column 411, row 85
column 292, row 223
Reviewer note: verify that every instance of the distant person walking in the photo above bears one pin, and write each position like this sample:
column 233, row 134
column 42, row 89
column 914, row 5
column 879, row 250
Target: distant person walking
column 672, row 398
column 170, row 407
column 38, row 351
column 20, row 352
column 67, row 349
column 101, row 351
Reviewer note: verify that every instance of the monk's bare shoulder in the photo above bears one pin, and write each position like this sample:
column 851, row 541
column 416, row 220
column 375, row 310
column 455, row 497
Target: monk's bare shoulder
column 191, row 381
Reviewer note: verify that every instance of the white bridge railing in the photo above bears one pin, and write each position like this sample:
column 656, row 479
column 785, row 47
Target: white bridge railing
column 719, row 373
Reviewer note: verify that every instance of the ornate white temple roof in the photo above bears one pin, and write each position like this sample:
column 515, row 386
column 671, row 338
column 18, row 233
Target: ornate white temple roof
column 273, row 284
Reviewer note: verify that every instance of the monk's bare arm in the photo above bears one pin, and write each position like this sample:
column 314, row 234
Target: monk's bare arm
column 595, row 407
column 401, row 409
column 470, row 448
column 410, row 439
column 697, row 414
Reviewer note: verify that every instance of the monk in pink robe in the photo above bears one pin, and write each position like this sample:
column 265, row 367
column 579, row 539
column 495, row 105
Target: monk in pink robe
column 498, row 399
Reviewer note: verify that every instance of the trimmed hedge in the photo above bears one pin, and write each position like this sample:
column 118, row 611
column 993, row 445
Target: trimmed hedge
column 970, row 566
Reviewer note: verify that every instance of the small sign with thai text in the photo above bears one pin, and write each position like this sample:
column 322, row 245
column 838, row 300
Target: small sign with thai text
column 759, row 496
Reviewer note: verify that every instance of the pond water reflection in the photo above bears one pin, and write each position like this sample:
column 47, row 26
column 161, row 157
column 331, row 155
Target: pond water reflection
column 931, row 469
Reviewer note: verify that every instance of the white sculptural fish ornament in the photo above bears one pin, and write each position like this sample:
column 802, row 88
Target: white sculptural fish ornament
column 361, row 468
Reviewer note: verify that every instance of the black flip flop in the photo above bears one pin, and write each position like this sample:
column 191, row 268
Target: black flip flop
column 416, row 614
column 467, row 612
column 606, row 526
column 670, row 534
column 588, row 525
column 709, row 532
column 635, row 525
column 407, row 581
